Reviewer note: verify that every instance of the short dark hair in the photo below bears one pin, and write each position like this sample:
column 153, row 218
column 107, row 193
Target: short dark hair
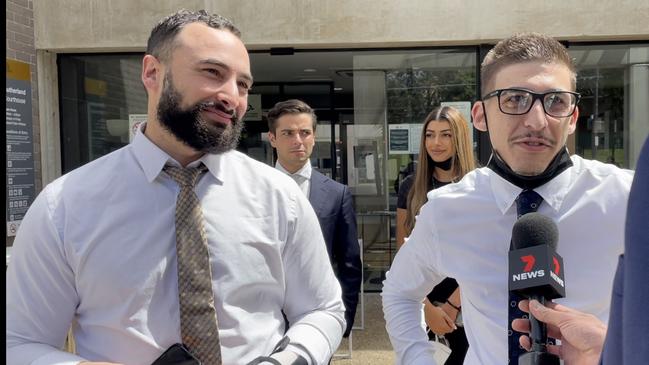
column 163, row 34
column 521, row 48
column 292, row 106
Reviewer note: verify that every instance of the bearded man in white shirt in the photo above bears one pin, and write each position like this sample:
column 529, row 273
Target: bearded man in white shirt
column 97, row 249
column 529, row 108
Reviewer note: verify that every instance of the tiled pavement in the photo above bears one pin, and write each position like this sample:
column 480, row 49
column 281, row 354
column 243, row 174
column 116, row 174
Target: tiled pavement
column 370, row 346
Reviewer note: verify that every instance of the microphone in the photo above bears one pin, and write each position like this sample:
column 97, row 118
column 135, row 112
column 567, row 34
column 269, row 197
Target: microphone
column 536, row 272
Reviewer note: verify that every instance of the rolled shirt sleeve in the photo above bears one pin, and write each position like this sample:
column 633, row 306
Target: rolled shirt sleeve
column 410, row 278
column 313, row 306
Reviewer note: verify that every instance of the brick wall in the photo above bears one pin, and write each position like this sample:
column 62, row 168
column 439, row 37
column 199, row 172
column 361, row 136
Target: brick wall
column 20, row 47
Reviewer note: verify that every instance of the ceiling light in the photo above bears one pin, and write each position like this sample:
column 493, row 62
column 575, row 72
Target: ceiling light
column 310, row 70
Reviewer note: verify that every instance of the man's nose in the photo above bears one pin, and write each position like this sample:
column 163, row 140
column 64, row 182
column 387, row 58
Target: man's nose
column 228, row 93
column 536, row 119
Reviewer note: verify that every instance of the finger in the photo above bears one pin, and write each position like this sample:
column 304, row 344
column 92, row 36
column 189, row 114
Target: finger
column 442, row 330
column 450, row 323
column 554, row 349
column 549, row 314
column 447, row 328
column 521, row 325
column 524, row 305
column 525, row 342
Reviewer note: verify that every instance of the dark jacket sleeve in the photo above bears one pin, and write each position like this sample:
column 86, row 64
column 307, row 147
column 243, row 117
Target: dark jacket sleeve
column 346, row 252
column 626, row 341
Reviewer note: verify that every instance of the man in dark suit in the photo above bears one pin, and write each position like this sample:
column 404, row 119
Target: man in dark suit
column 292, row 126
column 582, row 334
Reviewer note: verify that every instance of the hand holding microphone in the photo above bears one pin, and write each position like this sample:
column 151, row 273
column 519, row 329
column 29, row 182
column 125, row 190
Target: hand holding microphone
column 581, row 334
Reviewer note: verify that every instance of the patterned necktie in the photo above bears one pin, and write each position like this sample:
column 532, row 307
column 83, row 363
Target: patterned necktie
column 198, row 325
column 528, row 201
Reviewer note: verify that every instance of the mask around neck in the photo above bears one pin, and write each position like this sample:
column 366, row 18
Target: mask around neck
column 559, row 163
column 445, row 165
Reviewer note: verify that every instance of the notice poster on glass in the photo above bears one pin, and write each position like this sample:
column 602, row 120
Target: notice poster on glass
column 19, row 144
column 415, row 137
column 399, row 139
column 405, row 138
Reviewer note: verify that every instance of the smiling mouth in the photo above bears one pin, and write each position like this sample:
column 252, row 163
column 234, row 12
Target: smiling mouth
column 220, row 111
column 534, row 141
column 535, row 144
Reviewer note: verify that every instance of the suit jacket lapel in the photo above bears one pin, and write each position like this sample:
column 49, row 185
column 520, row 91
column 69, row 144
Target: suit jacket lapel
column 318, row 193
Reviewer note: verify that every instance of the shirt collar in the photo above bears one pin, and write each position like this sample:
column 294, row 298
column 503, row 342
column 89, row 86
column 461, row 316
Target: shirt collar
column 553, row 192
column 304, row 172
column 152, row 159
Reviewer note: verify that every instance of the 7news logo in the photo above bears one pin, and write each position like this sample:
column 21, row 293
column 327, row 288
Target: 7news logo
column 528, row 273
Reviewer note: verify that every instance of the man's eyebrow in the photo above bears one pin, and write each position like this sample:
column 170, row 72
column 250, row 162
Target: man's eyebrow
column 215, row 62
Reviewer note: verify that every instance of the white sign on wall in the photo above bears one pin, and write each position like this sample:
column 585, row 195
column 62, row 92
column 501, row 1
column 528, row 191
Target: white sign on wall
column 134, row 121
column 254, row 108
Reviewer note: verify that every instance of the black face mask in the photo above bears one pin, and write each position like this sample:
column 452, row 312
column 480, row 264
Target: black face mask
column 560, row 162
column 445, row 165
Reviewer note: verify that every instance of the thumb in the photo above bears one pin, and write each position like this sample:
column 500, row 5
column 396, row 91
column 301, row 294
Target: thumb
column 545, row 314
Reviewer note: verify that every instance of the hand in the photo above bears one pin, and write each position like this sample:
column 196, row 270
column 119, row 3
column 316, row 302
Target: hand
column 450, row 311
column 582, row 334
column 438, row 320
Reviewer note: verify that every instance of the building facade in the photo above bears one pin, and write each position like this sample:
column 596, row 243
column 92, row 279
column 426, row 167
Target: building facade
column 372, row 69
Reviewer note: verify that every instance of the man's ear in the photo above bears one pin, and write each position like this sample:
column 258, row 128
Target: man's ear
column 573, row 121
column 477, row 113
column 152, row 73
column 271, row 139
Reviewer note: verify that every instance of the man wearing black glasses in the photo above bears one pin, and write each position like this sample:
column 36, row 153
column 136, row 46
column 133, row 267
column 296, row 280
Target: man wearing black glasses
column 529, row 107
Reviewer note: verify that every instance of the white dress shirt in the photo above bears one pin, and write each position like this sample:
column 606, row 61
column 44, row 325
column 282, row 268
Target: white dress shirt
column 97, row 250
column 464, row 232
column 302, row 176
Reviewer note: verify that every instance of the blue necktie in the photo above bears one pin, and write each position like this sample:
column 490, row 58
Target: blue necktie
column 528, row 201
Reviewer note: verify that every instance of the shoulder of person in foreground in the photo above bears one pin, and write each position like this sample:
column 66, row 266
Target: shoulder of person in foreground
column 313, row 297
column 601, row 170
column 42, row 298
column 470, row 183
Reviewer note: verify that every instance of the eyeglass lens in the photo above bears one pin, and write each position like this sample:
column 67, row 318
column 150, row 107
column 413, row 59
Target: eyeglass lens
column 557, row 104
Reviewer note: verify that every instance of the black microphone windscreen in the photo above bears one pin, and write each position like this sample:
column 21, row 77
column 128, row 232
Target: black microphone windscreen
column 534, row 229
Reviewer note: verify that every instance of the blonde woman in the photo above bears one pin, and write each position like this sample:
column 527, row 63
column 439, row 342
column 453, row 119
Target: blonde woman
column 449, row 156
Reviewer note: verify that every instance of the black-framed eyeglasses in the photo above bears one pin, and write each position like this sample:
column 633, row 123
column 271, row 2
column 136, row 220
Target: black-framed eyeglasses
column 558, row 104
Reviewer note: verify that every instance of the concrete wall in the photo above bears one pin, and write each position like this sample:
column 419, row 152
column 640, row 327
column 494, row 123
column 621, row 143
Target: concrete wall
column 124, row 25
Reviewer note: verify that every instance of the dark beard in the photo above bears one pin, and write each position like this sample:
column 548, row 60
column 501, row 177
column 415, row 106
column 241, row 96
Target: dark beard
column 188, row 126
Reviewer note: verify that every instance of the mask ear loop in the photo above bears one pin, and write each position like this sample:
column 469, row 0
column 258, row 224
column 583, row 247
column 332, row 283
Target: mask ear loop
column 484, row 112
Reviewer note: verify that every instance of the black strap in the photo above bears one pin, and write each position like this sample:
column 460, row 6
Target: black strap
column 261, row 359
column 281, row 346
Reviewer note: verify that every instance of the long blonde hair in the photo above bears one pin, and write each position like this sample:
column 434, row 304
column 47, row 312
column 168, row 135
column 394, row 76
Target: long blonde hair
column 462, row 162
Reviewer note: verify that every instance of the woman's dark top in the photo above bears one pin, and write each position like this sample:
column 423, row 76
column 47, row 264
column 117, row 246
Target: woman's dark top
column 457, row 339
